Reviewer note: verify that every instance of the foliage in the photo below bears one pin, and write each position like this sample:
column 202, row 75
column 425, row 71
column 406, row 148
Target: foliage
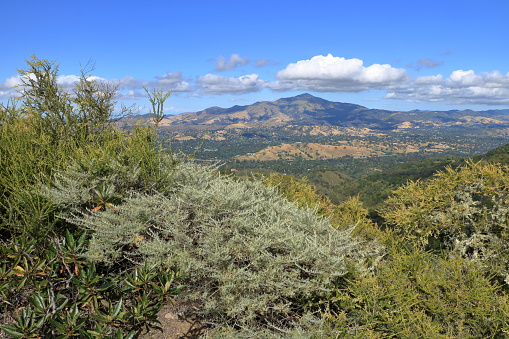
column 374, row 188
column 250, row 258
column 419, row 295
column 40, row 135
column 348, row 214
column 65, row 118
column 498, row 155
column 98, row 225
column 48, row 288
column 157, row 99
column 463, row 211
column 57, row 292
column 50, row 130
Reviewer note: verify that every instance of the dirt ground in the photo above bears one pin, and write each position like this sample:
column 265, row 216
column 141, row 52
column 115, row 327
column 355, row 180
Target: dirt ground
column 176, row 325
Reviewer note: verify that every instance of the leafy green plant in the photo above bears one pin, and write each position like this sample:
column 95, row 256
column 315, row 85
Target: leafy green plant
column 461, row 211
column 28, row 325
column 106, row 197
column 419, row 295
column 61, row 293
column 44, row 129
column 157, row 99
column 343, row 216
column 249, row 257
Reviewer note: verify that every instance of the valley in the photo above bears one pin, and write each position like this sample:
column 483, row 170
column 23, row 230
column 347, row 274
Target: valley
column 332, row 144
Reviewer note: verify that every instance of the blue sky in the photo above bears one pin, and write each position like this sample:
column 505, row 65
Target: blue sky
column 391, row 54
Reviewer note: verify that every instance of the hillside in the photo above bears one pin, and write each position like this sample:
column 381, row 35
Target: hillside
column 105, row 231
column 373, row 189
column 306, row 110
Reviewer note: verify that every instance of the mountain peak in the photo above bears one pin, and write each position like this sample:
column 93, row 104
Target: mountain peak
column 306, row 96
column 303, row 97
column 307, row 109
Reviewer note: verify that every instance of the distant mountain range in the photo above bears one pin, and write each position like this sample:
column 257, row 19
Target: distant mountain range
column 306, row 109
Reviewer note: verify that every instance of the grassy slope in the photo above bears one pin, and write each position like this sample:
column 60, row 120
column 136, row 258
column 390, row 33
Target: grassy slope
column 373, row 189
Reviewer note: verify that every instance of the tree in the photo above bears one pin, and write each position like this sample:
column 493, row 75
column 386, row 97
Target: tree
column 157, row 98
column 63, row 115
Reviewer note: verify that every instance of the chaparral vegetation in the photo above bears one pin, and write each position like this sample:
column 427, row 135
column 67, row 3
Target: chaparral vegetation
column 102, row 225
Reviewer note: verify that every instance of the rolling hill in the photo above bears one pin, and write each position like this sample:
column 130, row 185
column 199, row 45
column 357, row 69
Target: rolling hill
column 307, row 110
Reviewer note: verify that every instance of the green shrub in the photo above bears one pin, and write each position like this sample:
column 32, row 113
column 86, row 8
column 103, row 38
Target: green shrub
column 343, row 216
column 419, row 295
column 463, row 211
column 48, row 129
column 39, row 133
column 250, row 257
column 52, row 140
column 56, row 292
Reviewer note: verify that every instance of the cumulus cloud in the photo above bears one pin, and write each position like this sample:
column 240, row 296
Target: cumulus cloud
column 461, row 78
column 169, row 81
column 13, row 81
column 68, row 81
column 429, row 80
column 129, row 88
column 461, row 87
column 128, row 83
column 317, row 74
column 337, row 74
column 131, row 95
column 235, row 60
column 172, row 81
column 217, row 84
column 7, row 88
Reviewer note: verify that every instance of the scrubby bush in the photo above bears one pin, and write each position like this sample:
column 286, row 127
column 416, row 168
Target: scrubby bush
column 95, row 222
column 40, row 132
column 419, row 295
column 59, row 293
column 343, row 216
column 250, row 258
column 48, row 288
column 462, row 211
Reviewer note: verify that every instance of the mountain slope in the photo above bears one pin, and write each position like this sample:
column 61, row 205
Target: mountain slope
column 306, row 109
column 374, row 188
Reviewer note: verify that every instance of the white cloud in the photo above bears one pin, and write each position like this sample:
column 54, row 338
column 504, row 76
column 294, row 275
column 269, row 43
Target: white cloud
column 68, row 81
column 172, row 81
column 461, row 78
column 429, row 80
column 235, row 61
column 128, row 82
column 131, row 95
column 7, row 88
column 216, row 84
column 318, row 74
column 461, row 87
column 13, row 81
column 337, row 74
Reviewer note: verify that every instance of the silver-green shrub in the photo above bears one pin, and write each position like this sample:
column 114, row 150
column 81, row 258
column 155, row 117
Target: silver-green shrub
column 250, row 257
